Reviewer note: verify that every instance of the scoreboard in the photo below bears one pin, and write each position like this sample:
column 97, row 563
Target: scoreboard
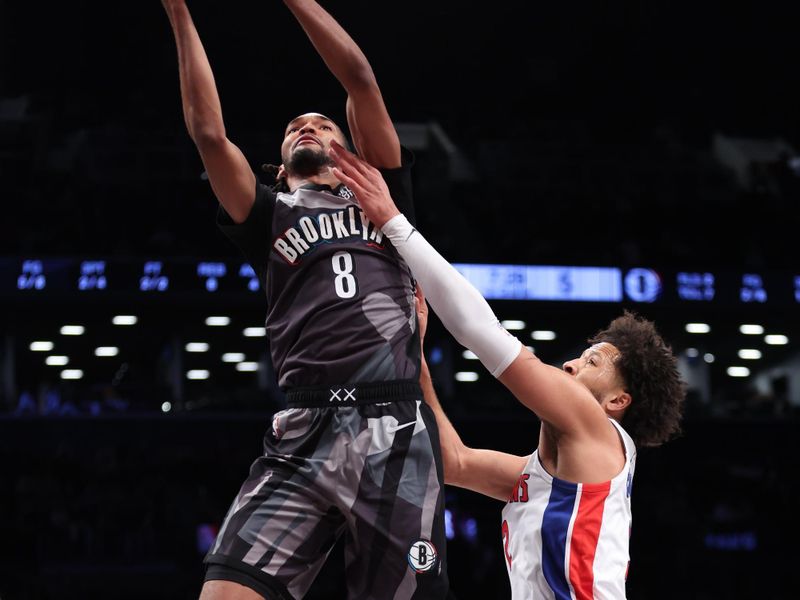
column 40, row 277
column 633, row 285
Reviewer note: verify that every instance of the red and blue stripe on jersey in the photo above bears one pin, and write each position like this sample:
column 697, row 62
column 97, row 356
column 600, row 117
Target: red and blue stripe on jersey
column 570, row 531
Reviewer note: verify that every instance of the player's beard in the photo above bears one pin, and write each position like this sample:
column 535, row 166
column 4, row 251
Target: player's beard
column 307, row 162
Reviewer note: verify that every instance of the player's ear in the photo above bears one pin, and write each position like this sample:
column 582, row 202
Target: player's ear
column 620, row 402
column 281, row 173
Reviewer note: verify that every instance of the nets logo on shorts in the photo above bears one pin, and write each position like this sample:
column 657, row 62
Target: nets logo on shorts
column 422, row 556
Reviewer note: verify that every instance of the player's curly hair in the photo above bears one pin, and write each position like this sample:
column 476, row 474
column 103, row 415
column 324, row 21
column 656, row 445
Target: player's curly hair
column 649, row 372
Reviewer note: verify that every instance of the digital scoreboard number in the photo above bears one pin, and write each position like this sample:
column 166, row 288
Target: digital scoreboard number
column 154, row 277
column 32, row 276
column 92, row 275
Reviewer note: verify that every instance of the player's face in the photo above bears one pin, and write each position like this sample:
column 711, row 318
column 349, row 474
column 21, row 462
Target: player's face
column 597, row 369
column 309, row 132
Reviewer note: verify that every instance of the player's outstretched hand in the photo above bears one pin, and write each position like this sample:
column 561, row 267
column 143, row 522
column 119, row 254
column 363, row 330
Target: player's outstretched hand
column 366, row 182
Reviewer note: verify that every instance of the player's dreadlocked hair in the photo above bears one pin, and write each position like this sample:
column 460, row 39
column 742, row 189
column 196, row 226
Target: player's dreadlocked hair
column 650, row 375
column 280, row 184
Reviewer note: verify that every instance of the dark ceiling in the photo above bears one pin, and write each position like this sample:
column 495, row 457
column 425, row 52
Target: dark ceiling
column 586, row 129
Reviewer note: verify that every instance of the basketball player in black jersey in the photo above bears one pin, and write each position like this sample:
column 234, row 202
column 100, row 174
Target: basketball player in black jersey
column 356, row 452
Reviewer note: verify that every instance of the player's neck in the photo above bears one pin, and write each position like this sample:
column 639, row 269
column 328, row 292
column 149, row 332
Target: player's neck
column 324, row 178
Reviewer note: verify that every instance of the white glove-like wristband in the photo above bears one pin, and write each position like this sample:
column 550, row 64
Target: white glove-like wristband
column 461, row 308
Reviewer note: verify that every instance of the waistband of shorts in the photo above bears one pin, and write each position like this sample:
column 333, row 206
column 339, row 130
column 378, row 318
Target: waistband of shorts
column 353, row 394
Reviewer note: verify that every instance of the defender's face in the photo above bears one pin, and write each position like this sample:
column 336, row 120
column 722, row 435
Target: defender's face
column 311, row 131
column 596, row 368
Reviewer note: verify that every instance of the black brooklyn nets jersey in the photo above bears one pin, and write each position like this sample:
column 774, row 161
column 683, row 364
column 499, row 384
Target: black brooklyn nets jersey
column 340, row 300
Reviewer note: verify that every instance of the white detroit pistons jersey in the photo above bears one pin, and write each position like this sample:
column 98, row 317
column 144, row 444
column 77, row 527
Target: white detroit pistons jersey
column 569, row 541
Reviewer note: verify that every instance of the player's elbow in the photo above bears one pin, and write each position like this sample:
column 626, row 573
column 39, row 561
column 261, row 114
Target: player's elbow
column 207, row 138
column 360, row 80
column 206, row 130
column 456, row 464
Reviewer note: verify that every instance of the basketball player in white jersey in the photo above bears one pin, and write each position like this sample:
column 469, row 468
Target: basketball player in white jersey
column 566, row 524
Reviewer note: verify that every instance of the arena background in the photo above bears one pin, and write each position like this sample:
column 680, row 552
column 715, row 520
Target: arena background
column 656, row 143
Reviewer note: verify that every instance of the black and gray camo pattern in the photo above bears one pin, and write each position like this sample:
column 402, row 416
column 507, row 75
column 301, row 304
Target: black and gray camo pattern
column 372, row 472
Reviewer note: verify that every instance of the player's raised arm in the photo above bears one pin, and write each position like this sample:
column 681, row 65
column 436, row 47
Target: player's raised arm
column 549, row 392
column 373, row 133
column 230, row 175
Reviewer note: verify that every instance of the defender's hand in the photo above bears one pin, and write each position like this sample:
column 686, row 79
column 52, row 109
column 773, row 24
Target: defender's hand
column 366, row 182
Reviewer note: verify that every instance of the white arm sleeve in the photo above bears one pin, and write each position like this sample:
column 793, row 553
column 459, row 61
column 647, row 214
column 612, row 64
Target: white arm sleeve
column 461, row 308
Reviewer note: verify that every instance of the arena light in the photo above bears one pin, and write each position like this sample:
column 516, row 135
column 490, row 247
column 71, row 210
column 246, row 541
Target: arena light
column 543, row 335
column 751, row 329
column 255, row 332
column 513, row 324
column 72, row 330
column 197, row 374
column 125, row 320
column 698, row 328
column 469, row 355
column 738, row 371
column 41, row 346
column 247, row 367
column 196, row 347
column 106, row 351
column 709, row 358
column 692, row 352
column 218, row 321
column 71, row 374
column 56, row 360
column 772, row 340
column 749, row 354
column 166, row 407
column 449, row 528
column 233, row 357
column 466, row 376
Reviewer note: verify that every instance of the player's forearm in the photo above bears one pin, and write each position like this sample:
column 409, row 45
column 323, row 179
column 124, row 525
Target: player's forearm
column 490, row 473
column 449, row 440
column 202, row 111
column 341, row 54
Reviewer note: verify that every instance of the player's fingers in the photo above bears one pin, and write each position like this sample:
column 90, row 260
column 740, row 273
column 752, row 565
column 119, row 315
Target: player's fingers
column 354, row 184
column 356, row 180
column 344, row 163
column 349, row 160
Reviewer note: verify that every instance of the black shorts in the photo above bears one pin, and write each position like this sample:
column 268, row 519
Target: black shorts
column 362, row 461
